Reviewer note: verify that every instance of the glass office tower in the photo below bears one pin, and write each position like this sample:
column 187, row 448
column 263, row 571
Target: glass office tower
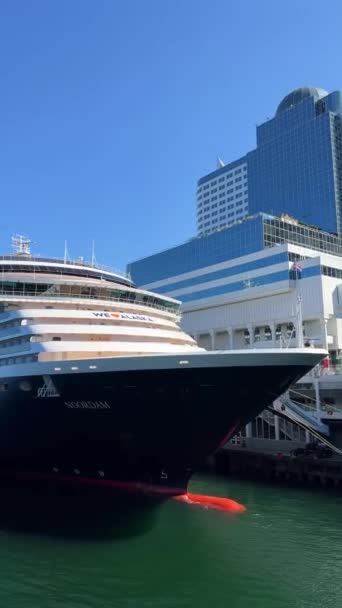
column 296, row 167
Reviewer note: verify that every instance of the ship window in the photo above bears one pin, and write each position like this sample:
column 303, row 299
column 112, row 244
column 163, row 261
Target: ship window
column 56, row 338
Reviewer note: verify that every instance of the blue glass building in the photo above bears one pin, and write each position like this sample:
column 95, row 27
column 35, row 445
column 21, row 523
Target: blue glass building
column 234, row 242
column 222, row 262
column 296, row 168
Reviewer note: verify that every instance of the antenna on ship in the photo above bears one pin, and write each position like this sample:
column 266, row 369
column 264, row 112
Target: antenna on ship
column 65, row 252
column 21, row 244
column 93, row 258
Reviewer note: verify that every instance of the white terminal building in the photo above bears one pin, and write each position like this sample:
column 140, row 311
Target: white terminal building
column 249, row 285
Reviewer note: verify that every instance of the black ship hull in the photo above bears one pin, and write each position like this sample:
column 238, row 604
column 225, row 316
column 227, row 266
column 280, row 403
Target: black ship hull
column 149, row 420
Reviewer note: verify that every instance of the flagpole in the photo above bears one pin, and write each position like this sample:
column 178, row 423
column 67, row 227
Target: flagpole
column 299, row 300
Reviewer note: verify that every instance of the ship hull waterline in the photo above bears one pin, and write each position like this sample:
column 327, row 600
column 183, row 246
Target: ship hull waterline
column 143, row 422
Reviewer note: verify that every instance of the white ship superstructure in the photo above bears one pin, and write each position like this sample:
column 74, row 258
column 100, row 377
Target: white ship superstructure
column 53, row 310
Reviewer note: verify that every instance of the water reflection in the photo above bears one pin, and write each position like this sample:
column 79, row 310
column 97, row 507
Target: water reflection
column 69, row 548
column 75, row 512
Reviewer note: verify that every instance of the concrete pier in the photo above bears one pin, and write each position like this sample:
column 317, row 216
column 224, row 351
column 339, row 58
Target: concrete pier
column 279, row 466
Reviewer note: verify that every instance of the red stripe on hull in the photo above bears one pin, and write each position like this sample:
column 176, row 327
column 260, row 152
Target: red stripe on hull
column 131, row 487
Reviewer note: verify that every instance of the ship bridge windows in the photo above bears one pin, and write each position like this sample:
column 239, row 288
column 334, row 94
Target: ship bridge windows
column 62, row 271
column 22, row 289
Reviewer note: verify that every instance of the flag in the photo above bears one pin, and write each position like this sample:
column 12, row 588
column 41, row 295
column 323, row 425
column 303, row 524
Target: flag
column 296, row 271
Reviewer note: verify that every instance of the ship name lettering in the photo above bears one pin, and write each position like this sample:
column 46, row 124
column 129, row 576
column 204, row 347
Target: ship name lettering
column 87, row 405
column 122, row 315
column 134, row 317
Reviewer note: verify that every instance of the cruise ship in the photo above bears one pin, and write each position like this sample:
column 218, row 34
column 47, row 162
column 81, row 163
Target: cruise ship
column 98, row 381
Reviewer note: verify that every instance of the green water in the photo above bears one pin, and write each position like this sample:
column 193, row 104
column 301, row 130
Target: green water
column 285, row 551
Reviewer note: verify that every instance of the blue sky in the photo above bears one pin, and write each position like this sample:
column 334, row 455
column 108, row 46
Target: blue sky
column 111, row 111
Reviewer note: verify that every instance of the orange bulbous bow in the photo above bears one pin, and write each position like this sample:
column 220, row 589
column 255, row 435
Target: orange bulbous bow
column 215, row 502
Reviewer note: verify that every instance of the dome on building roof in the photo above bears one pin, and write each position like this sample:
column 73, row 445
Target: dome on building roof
column 298, row 95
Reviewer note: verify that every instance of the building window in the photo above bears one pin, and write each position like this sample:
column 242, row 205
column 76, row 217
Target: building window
column 213, row 191
column 222, row 187
column 222, row 194
column 221, row 179
column 336, row 273
column 214, row 198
